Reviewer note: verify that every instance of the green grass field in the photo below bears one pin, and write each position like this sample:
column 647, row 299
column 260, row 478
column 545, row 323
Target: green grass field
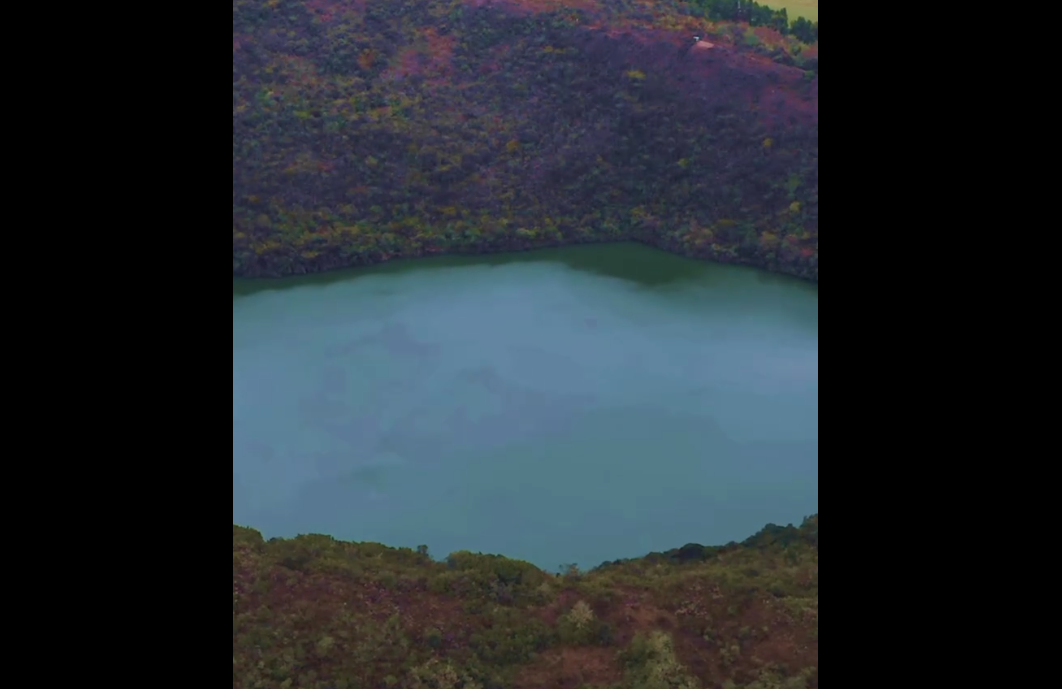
column 809, row 9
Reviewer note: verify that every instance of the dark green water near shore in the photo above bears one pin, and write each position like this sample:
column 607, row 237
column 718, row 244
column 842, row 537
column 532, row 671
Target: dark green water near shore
column 567, row 406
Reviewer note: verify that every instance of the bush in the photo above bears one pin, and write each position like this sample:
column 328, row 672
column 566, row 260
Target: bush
column 652, row 664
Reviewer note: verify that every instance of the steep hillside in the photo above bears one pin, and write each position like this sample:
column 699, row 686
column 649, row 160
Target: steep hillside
column 364, row 130
column 314, row 613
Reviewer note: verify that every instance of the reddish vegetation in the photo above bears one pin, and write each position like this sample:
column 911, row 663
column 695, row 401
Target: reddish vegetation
column 527, row 7
column 572, row 668
column 368, row 130
column 780, row 91
column 327, row 10
column 318, row 613
column 432, row 56
column 770, row 37
column 357, row 614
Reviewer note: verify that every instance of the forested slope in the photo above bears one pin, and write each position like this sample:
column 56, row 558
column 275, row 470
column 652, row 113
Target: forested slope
column 365, row 130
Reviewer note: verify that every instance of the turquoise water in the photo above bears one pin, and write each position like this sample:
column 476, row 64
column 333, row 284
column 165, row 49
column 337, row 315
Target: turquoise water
column 569, row 406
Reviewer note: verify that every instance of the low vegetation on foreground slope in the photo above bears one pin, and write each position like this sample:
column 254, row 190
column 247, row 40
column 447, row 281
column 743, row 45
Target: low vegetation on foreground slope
column 315, row 613
column 365, row 130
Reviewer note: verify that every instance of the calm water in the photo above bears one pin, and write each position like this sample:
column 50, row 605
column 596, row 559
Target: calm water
column 570, row 406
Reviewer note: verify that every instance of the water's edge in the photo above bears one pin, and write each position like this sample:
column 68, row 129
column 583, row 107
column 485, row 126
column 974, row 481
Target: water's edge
column 771, row 535
column 264, row 273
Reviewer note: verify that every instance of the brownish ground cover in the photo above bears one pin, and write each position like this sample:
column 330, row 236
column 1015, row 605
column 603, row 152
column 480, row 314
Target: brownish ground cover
column 314, row 613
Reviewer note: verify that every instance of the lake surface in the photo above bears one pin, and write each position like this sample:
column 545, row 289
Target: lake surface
column 568, row 406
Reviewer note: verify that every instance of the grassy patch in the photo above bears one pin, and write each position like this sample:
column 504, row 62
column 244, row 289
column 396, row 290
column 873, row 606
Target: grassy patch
column 809, row 9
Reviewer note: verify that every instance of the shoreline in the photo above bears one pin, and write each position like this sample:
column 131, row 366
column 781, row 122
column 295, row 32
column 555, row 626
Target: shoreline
column 730, row 257
column 687, row 554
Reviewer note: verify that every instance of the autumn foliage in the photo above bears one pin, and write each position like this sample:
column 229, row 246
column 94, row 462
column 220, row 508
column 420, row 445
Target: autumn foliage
column 367, row 130
column 315, row 613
